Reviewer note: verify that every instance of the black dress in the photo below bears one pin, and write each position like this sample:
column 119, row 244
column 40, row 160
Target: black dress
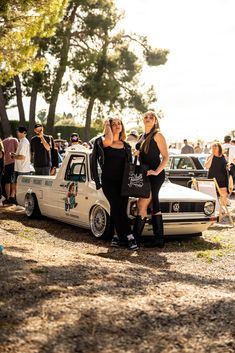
column 152, row 160
column 112, row 173
column 218, row 171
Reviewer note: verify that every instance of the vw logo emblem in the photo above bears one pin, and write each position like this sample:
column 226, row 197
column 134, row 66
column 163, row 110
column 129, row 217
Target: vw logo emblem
column 176, row 207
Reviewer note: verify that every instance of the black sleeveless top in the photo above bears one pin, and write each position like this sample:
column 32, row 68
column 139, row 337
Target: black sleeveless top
column 152, row 158
column 114, row 163
column 218, row 171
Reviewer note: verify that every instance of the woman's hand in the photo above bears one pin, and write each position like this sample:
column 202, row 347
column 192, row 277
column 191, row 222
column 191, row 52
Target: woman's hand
column 107, row 123
column 152, row 172
column 136, row 153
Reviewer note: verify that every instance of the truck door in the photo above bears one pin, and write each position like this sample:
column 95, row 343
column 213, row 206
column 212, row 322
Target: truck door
column 72, row 191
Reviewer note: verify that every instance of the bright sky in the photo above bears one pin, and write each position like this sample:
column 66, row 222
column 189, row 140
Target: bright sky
column 196, row 87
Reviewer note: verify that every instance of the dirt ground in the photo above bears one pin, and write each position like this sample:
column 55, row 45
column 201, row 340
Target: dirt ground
column 63, row 291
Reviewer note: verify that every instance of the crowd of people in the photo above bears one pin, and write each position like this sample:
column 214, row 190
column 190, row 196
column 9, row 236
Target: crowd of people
column 46, row 154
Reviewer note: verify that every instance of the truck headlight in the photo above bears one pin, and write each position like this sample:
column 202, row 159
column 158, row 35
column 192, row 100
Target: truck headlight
column 209, row 208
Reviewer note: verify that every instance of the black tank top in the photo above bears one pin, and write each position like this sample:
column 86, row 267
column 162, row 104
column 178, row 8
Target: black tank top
column 114, row 163
column 152, row 158
column 218, row 170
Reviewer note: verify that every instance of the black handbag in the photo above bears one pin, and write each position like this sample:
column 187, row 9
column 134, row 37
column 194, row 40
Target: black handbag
column 135, row 182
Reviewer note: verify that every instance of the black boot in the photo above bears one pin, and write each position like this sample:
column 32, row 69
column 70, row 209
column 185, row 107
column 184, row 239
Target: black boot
column 158, row 232
column 138, row 228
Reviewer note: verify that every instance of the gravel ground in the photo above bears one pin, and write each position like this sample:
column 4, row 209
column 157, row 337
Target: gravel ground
column 63, row 291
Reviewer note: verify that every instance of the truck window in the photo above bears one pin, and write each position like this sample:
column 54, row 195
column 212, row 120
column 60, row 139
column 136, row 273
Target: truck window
column 76, row 169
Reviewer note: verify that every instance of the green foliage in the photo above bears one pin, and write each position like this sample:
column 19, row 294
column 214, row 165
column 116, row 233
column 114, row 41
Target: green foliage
column 65, row 131
column 22, row 21
column 41, row 116
column 65, row 120
column 155, row 57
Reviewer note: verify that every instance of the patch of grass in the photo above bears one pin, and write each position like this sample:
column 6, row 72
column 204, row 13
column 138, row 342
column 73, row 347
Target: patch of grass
column 38, row 271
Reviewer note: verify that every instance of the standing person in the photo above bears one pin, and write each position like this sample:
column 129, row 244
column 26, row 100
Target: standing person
column 40, row 146
column 1, row 167
column 150, row 147
column 229, row 151
column 112, row 152
column 10, row 145
column 206, row 149
column 197, row 148
column 187, row 148
column 132, row 138
column 22, row 154
column 217, row 168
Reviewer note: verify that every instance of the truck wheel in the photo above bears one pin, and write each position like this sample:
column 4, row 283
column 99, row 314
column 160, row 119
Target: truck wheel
column 31, row 206
column 99, row 222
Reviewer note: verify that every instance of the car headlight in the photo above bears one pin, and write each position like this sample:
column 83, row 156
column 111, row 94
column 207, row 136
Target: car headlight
column 209, row 208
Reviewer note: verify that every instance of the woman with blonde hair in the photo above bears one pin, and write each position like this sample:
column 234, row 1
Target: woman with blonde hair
column 153, row 152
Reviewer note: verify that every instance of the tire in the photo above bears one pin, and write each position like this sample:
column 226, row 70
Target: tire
column 31, row 206
column 99, row 222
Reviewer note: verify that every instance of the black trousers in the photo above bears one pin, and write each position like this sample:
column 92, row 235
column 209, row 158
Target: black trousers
column 156, row 183
column 118, row 207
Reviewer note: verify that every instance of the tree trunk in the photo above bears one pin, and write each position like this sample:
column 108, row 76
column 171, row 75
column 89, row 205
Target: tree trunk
column 19, row 100
column 60, row 73
column 6, row 127
column 32, row 111
column 37, row 78
column 88, row 119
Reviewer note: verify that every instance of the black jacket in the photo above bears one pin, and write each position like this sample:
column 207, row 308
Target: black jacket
column 97, row 156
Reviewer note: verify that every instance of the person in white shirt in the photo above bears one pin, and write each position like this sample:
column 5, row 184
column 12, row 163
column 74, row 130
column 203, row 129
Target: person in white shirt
column 229, row 151
column 22, row 154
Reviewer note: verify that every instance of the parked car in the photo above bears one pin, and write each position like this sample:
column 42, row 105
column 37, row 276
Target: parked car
column 182, row 167
column 71, row 197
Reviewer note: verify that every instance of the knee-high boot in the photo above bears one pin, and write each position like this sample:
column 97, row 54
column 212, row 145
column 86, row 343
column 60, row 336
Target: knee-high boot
column 138, row 228
column 158, row 232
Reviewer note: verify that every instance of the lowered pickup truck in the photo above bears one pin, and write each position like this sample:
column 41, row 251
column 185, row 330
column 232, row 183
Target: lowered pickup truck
column 71, row 196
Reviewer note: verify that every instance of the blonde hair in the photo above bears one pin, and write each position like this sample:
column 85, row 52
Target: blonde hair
column 156, row 128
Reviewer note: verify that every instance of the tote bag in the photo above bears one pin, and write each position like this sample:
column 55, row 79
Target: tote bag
column 135, row 182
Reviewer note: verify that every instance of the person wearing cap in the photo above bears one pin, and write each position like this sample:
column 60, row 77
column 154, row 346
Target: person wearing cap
column 22, row 155
column 132, row 138
column 10, row 145
column 74, row 139
column 40, row 146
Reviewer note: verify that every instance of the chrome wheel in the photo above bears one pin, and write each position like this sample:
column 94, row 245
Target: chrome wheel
column 99, row 220
column 31, row 205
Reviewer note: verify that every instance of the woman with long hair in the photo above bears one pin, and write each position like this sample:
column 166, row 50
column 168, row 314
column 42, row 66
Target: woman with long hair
column 153, row 152
column 112, row 152
column 217, row 166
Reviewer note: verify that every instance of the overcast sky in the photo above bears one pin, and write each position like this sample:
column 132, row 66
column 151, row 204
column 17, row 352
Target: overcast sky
column 196, row 87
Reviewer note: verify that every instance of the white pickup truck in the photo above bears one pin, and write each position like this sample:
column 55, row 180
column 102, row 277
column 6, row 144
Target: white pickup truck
column 71, row 197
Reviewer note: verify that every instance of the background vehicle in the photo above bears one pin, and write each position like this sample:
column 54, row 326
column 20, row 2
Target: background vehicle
column 182, row 167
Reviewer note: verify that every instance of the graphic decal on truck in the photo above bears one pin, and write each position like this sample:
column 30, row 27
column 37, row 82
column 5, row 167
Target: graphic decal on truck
column 70, row 199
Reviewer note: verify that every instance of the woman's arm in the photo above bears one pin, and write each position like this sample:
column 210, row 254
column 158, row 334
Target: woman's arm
column 108, row 135
column 208, row 161
column 161, row 142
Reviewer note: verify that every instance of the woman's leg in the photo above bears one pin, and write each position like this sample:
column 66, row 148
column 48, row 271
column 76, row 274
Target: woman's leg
column 224, row 196
column 157, row 221
column 118, row 206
